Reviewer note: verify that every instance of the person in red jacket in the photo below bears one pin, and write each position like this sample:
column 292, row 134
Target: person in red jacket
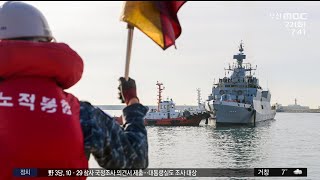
column 41, row 125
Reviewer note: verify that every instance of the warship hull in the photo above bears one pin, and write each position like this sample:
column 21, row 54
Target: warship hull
column 238, row 113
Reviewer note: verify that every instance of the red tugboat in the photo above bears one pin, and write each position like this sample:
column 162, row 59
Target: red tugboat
column 167, row 115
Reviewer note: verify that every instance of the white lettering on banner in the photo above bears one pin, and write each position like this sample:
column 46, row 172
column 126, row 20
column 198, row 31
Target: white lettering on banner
column 4, row 100
column 27, row 100
column 48, row 105
column 66, row 109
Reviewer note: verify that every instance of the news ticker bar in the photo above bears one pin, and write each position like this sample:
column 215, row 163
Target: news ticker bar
column 162, row 172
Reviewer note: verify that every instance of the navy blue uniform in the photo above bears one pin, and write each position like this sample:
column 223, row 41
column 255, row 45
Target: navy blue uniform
column 113, row 146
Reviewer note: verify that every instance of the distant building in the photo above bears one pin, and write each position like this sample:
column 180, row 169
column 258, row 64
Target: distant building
column 292, row 107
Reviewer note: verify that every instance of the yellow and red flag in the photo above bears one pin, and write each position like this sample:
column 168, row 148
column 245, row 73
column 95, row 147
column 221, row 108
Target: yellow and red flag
column 157, row 19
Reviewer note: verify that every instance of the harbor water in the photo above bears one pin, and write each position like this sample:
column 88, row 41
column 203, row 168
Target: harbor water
column 289, row 141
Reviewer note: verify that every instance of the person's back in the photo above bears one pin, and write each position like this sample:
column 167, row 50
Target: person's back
column 40, row 120
column 40, row 123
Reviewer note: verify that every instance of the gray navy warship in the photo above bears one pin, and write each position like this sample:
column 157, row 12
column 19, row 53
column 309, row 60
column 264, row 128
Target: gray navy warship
column 239, row 99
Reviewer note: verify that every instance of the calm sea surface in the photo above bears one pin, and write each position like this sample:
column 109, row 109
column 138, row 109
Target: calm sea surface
column 291, row 140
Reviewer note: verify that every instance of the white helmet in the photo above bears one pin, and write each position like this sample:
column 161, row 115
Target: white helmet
column 21, row 20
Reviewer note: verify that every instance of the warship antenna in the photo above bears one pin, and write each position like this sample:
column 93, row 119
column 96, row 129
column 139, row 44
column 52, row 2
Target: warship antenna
column 240, row 56
column 241, row 47
column 160, row 89
column 199, row 97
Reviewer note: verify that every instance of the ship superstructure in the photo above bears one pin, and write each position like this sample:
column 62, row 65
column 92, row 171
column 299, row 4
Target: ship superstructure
column 239, row 98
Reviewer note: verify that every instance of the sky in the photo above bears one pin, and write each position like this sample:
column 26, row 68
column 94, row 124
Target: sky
column 281, row 38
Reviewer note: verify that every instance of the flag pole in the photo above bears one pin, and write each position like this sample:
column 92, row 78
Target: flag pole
column 129, row 47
